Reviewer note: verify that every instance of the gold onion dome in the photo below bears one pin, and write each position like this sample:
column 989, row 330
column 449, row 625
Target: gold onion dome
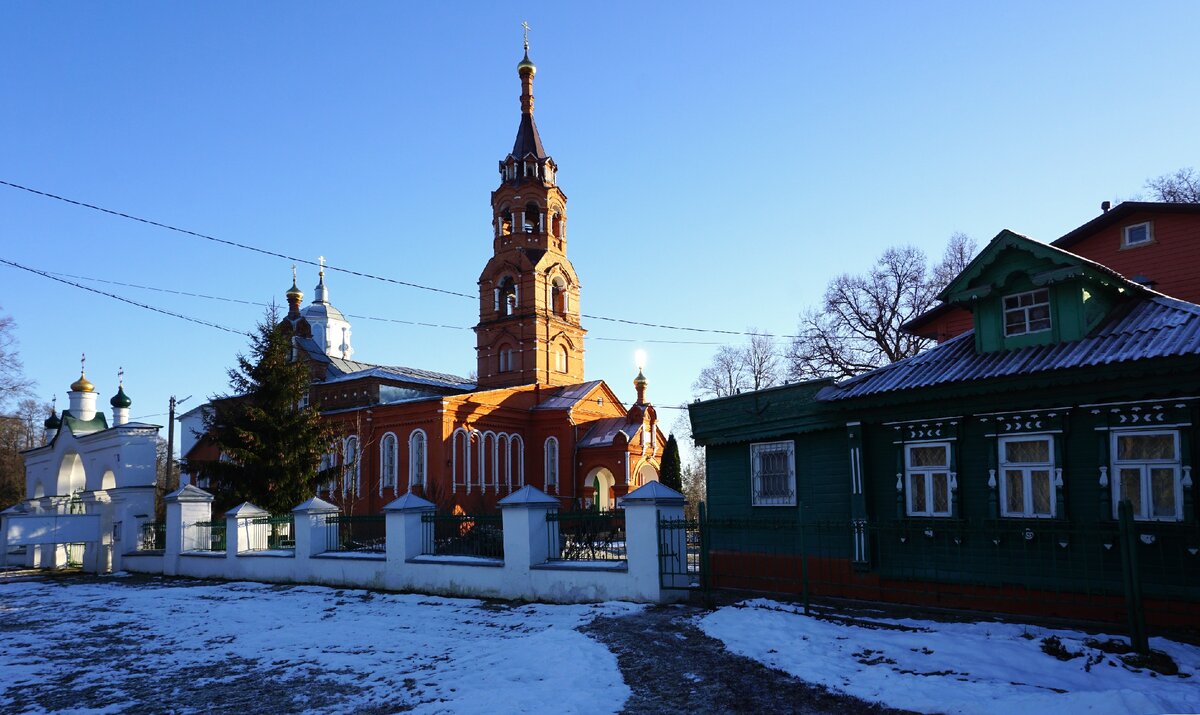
column 526, row 64
column 640, row 380
column 82, row 384
column 295, row 292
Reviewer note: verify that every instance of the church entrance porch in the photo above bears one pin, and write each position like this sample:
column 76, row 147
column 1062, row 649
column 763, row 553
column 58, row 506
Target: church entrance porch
column 598, row 489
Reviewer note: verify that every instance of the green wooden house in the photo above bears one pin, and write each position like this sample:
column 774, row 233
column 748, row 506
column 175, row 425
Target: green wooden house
column 985, row 472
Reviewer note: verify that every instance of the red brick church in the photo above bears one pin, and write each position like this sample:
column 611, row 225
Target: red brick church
column 530, row 417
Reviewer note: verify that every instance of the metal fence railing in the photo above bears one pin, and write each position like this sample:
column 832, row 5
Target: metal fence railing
column 1122, row 571
column 586, row 535
column 479, row 535
column 355, row 533
column 210, row 535
column 273, row 533
column 152, row 536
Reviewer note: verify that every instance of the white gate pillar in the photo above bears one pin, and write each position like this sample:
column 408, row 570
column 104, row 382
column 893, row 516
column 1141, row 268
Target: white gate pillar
column 185, row 506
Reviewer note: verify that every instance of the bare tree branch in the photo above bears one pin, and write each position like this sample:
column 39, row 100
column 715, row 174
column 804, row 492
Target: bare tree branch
column 1182, row 187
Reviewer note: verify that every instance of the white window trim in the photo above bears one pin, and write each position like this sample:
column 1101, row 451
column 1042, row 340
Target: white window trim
column 1117, row 464
column 757, row 448
column 383, row 461
column 1126, row 243
column 417, row 467
column 1027, row 467
column 516, row 443
column 551, row 463
column 1025, row 309
column 928, row 473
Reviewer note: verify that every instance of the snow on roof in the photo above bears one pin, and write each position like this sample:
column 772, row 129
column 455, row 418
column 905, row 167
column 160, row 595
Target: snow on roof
column 603, row 432
column 1153, row 328
column 564, row 398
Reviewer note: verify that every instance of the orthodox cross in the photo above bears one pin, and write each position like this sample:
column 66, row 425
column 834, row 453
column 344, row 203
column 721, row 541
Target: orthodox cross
column 82, row 362
column 293, row 274
column 321, row 262
column 526, row 26
column 120, row 377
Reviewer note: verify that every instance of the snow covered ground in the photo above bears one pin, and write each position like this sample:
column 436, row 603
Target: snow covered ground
column 114, row 644
column 955, row 667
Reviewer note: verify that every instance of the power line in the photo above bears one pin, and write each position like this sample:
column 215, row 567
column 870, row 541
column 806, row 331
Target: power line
column 226, row 242
column 240, row 301
column 122, row 299
column 362, row 274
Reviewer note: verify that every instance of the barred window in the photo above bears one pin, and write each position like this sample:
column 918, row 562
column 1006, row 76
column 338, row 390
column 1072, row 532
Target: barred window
column 387, row 458
column 773, row 474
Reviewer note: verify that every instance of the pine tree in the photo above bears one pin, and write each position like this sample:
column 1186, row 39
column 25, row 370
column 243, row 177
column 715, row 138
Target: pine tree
column 672, row 469
column 271, row 446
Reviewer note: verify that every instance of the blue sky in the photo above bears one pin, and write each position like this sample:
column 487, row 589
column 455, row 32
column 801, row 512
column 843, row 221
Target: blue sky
column 722, row 162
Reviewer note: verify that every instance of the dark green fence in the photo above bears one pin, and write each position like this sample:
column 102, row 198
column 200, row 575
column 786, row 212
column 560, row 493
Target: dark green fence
column 152, row 536
column 210, row 535
column 351, row 533
column 274, row 533
column 479, row 535
column 1126, row 571
column 586, row 535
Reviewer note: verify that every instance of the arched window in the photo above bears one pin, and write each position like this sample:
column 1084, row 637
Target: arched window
column 558, row 296
column 329, row 462
column 533, row 217
column 560, row 358
column 416, row 459
column 504, row 475
column 556, row 224
column 516, row 461
column 461, row 447
column 551, row 463
column 506, row 221
column 506, row 296
column 507, row 358
column 387, row 462
column 487, row 463
column 350, row 467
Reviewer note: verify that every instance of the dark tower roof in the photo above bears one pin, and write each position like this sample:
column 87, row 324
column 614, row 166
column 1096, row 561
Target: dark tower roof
column 528, row 141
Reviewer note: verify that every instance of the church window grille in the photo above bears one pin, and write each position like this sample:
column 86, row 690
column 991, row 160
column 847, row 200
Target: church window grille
column 350, row 468
column 551, row 463
column 387, row 460
column 461, row 443
column 416, row 458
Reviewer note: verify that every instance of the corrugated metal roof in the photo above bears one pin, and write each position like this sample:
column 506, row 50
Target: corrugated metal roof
column 603, row 432
column 340, row 369
column 1153, row 328
column 564, row 398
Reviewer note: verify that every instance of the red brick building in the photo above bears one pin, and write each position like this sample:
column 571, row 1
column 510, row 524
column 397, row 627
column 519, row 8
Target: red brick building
column 529, row 418
column 1155, row 244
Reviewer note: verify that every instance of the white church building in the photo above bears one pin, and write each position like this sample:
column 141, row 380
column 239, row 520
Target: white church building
column 86, row 488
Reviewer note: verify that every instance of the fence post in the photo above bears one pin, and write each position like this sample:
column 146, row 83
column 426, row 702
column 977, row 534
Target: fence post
column 185, row 506
column 309, row 524
column 644, row 507
column 1132, row 579
column 804, row 556
column 241, row 533
column 402, row 528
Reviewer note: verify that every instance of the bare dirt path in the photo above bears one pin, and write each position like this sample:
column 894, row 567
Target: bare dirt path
column 673, row 667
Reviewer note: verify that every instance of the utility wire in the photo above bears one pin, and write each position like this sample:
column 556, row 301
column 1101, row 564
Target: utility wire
column 240, row 301
column 181, row 316
column 362, row 274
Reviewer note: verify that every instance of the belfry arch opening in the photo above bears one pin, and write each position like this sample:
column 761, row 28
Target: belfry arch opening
column 506, row 296
column 558, row 296
column 533, row 218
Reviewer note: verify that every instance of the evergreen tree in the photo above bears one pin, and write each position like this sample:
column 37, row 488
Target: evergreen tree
column 271, row 446
column 671, row 474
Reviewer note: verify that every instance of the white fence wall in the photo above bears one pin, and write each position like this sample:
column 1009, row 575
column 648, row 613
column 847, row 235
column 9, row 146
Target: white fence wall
column 524, row 573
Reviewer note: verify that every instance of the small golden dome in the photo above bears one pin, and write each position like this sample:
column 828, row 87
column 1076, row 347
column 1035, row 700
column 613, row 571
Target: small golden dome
column 640, row 380
column 526, row 64
column 295, row 292
column 82, row 385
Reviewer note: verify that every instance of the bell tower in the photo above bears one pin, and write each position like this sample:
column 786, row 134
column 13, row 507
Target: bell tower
column 529, row 330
